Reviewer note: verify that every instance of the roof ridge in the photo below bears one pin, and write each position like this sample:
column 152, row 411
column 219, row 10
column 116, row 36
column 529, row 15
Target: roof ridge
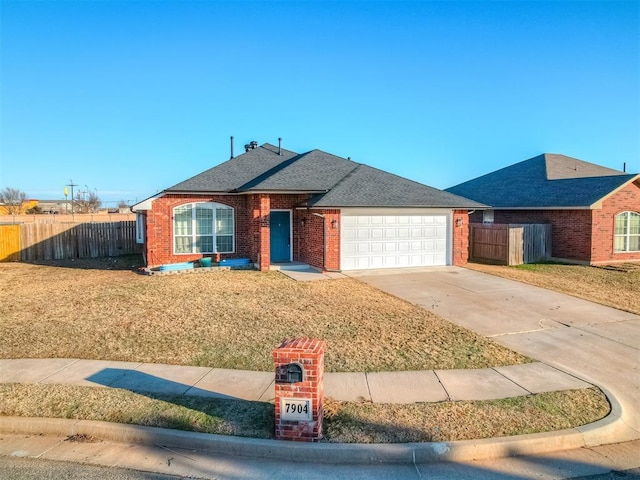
column 268, row 173
column 317, row 197
column 559, row 167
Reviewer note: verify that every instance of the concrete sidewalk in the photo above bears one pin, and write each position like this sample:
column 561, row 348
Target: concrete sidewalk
column 378, row 387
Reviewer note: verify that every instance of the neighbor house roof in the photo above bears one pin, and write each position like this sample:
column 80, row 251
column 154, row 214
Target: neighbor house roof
column 545, row 181
column 335, row 181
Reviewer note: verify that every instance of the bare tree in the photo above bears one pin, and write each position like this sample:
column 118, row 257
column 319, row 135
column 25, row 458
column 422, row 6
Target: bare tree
column 12, row 198
column 123, row 204
column 87, row 202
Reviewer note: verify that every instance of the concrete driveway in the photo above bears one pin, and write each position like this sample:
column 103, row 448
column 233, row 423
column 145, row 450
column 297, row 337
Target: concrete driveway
column 595, row 343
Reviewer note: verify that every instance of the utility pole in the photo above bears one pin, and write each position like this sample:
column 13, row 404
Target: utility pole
column 71, row 184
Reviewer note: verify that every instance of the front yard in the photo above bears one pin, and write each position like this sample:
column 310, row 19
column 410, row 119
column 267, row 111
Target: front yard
column 226, row 319
column 104, row 310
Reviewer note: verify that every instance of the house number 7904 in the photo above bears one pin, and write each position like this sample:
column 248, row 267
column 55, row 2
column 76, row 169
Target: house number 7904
column 295, row 409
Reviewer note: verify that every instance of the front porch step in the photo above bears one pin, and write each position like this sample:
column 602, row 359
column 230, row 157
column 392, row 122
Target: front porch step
column 288, row 266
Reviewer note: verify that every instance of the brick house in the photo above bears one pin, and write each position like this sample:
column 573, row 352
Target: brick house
column 272, row 205
column 594, row 211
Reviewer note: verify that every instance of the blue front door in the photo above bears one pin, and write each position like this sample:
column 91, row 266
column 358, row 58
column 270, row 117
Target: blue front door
column 280, row 237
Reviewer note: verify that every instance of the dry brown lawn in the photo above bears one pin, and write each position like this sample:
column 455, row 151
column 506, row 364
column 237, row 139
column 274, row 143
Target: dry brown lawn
column 615, row 286
column 347, row 422
column 227, row 319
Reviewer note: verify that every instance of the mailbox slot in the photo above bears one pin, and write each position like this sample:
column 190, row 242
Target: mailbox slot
column 290, row 373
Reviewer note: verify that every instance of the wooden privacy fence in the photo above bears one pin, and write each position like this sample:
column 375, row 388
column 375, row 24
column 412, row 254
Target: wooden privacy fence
column 58, row 241
column 509, row 244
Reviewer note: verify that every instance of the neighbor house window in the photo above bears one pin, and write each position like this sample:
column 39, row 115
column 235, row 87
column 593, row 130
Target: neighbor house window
column 140, row 227
column 487, row 216
column 203, row 228
column 627, row 232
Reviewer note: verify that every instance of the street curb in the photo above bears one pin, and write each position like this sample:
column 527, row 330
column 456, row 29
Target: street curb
column 610, row 429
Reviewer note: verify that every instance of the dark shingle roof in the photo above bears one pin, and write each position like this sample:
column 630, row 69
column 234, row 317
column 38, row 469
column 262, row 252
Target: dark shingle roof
column 234, row 173
column 369, row 187
column 315, row 171
column 338, row 182
column 545, row 181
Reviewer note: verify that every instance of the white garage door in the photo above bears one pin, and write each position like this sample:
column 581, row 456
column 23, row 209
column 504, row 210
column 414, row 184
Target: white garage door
column 388, row 241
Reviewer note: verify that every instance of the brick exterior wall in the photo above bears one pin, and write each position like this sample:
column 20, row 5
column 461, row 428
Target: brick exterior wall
column 603, row 223
column 570, row 229
column 460, row 237
column 581, row 235
column 308, row 353
column 159, row 240
column 316, row 233
column 252, row 232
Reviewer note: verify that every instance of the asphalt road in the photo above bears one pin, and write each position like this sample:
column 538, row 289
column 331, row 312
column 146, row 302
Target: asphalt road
column 12, row 468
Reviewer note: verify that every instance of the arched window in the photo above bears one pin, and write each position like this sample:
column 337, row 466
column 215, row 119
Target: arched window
column 627, row 232
column 203, row 228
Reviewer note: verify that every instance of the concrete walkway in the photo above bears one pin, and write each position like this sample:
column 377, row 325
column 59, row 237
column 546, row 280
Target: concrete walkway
column 380, row 387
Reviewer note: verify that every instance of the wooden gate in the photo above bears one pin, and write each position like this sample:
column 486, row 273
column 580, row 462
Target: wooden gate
column 10, row 243
column 509, row 244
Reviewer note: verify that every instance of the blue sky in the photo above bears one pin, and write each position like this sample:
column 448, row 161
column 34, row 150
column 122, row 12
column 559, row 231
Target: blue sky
column 129, row 98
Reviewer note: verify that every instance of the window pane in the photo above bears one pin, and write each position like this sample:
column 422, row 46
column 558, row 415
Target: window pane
column 204, row 220
column 621, row 223
column 183, row 245
column 204, row 244
column 182, row 220
column 224, row 221
column 224, row 244
column 634, row 223
column 634, row 243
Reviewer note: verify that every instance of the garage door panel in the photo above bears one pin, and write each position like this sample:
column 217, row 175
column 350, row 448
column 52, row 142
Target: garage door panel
column 377, row 247
column 403, row 233
column 379, row 241
column 363, row 248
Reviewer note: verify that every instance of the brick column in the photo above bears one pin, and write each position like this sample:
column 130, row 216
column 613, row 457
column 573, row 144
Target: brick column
column 265, row 233
column 299, row 389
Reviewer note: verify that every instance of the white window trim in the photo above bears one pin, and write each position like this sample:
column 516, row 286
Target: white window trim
column 141, row 221
column 194, row 236
column 627, row 235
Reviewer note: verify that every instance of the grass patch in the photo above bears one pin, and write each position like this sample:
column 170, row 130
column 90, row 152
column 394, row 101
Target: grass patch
column 226, row 319
column 347, row 422
column 464, row 420
column 180, row 412
column 614, row 287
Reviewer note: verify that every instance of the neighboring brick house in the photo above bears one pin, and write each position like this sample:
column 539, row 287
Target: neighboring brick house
column 594, row 211
column 272, row 205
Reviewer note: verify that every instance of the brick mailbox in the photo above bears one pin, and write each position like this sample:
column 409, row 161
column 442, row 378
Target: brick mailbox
column 299, row 389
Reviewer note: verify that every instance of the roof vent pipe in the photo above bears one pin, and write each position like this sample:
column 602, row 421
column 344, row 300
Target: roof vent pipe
column 231, row 148
column 624, row 167
column 279, row 145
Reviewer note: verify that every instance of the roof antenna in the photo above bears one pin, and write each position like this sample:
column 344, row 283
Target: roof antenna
column 279, row 145
column 231, row 148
